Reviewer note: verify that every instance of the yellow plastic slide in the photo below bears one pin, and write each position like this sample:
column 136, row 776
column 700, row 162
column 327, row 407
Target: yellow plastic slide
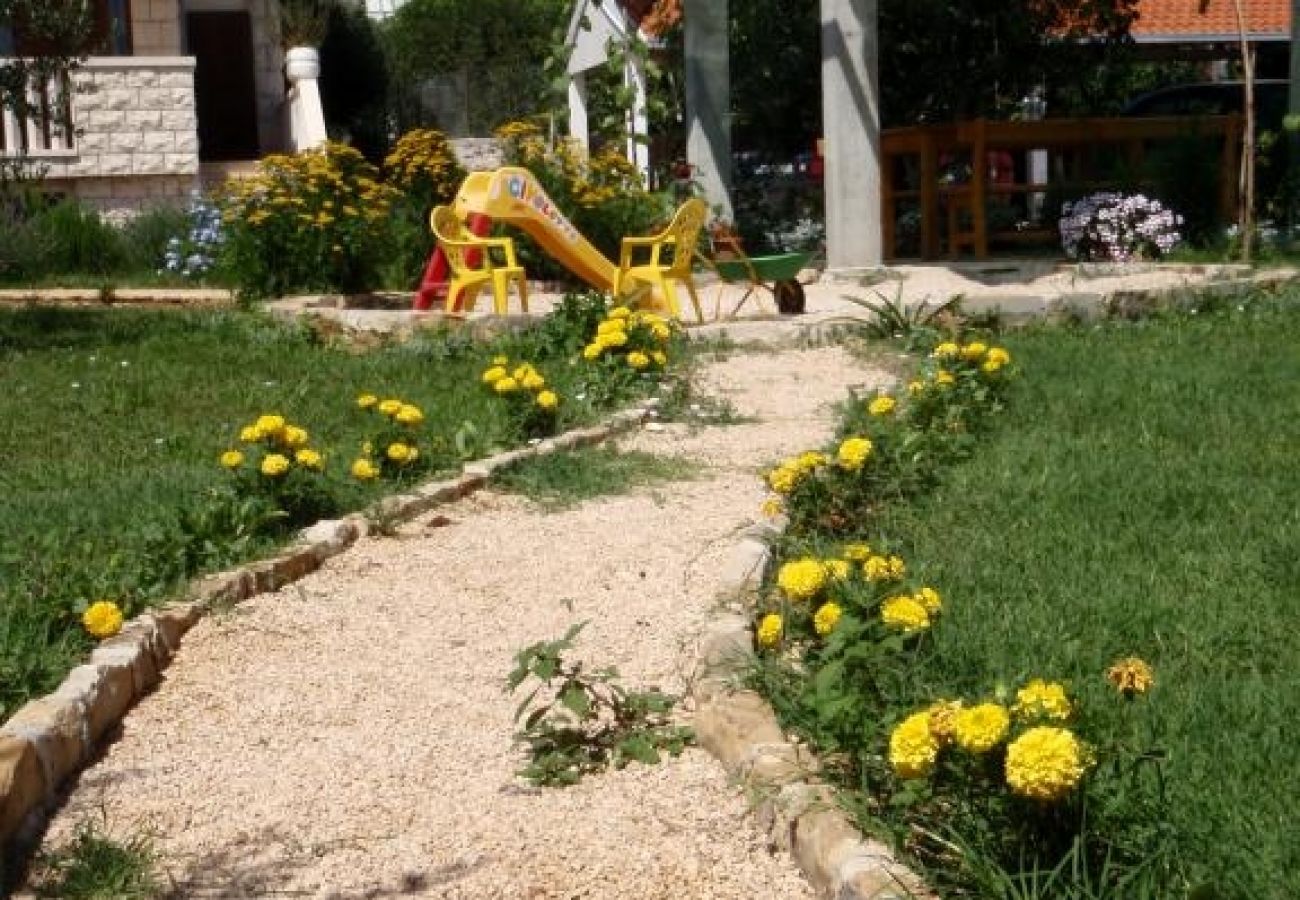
column 513, row 196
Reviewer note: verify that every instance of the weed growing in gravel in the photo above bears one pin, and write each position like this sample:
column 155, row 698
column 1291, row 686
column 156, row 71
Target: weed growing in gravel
column 577, row 722
column 561, row 480
column 96, row 866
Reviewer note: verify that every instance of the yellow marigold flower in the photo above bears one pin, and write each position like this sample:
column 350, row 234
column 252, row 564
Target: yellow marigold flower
column 494, row 374
column 905, row 613
column 365, row 401
column 390, row 407
column 802, row 579
column 660, row 358
column 310, row 459
column 615, row 338
column 1046, row 763
column 974, row 350
column 661, row 332
column 506, row 385
column 944, row 378
column 293, row 436
column 772, row 507
column 102, row 619
column 522, row 371
column 989, row 367
column 769, row 631
column 826, row 618
column 930, row 599
column 998, row 355
column 943, row 720
column 882, row 405
column 270, row 425
column 916, row 387
column 501, row 360
column 610, row 326
column 981, row 728
column 1041, row 699
column 1131, row 676
column 398, row 452
column 409, row 414
column 858, row 552
column 783, row 479
column 808, row 460
column 533, row 381
column 638, row 360
column 620, row 312
column 912, row 749
column 884, row 568
column 837, row 569
column 274, row 465
column 854, row 453
column 592, row 351
column 364, row 470
column 548, row 400
column 232, row 459
column 250, row 434
column 946, row 350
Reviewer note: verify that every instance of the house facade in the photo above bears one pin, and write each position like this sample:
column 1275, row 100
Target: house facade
column 180, row 91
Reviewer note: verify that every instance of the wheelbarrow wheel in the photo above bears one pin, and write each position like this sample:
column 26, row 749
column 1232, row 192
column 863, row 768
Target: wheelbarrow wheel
column 790, row 298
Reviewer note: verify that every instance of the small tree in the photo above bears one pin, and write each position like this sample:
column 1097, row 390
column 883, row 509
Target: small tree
column 56, row 36
column 1246, row 200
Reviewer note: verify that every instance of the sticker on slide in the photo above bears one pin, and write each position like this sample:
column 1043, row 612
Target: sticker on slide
column 516, row 186
column 543, row 206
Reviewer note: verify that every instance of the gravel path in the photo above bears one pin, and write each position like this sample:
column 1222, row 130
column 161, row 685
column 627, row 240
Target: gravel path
column 349, row 737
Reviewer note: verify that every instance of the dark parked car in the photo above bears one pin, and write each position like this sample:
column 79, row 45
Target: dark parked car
column 1215, row 98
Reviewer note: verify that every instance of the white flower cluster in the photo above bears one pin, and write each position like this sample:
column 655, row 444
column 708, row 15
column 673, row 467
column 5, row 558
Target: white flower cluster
column 193, row 255
column 1110, row 227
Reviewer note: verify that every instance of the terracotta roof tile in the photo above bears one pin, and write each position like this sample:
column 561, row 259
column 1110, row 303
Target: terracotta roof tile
column 1164, row 19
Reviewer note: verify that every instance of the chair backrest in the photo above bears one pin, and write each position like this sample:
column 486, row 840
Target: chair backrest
column 452, row 237
column 684, row 232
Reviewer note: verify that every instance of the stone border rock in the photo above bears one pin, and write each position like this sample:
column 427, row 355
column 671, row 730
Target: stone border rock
column 54, row 737
column 740, row 728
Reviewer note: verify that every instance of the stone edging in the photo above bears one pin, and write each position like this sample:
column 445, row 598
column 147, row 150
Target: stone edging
column 740, row 728
column 190, row 298
column 54, row 737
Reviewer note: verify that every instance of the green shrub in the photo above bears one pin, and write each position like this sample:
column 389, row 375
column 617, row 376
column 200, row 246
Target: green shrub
column 146, row 236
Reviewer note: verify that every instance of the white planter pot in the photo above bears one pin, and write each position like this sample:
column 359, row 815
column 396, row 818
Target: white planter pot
column 301, row 63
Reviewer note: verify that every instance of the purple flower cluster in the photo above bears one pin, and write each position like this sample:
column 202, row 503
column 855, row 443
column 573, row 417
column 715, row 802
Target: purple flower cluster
column 1110, row 227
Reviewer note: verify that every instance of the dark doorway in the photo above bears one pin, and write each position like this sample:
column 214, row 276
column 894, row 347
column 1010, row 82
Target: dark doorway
column 225, row 87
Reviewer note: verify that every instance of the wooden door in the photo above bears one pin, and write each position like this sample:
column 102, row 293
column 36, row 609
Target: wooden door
column 224, row 84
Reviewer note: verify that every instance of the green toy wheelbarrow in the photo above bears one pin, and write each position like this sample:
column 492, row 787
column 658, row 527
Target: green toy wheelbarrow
column 778, row 275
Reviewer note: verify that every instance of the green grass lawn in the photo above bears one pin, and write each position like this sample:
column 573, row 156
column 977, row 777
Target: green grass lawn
column 1142, row 497
column 113, row 422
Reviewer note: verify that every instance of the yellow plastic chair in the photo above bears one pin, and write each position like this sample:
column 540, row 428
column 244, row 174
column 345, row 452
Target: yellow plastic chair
column 468, row 276
column 671, row 253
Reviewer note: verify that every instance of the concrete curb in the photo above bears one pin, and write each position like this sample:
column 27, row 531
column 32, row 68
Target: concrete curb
column 54, row 737
column 740, row 728
column 181, row 298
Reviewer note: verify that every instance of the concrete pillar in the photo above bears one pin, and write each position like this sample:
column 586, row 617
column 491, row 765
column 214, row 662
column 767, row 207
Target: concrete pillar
column 708, row 100
column 579, row 130
column 638, row 134
column 851, row 116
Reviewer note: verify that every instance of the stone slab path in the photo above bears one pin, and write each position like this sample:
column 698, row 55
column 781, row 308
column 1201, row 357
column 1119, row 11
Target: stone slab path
column 349, row 737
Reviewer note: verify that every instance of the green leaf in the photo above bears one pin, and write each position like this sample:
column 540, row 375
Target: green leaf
column 574, row 698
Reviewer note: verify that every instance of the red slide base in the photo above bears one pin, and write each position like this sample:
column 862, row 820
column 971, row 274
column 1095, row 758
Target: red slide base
column 433, row 286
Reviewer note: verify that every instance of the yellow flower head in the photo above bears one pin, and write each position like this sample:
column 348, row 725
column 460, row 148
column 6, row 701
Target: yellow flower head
column 808, row 460
column 533, row 381
column 310, row 459
column 615, row 338
column 270, row 425
column 882, row 405
column 943, row 720
column 232, row 459
column 930, row 599
column 102, row 619
column 506, row 385
column 837, row 569
column 610, row 326
column 998, row 355
column 501, row 360
column 638, row 360
column 494, row 374
column 365, row 401
column 390, row 407
column 912, row 749
column 661, row 332
column 853, row 453
column 946, row 350
column 274, row 465
column 620, row 312
column 802, row 579
column 858, row 552
column 974, row 351
column 884, row 568
column 981, row 728
column 1041, row 699
column 293, row 436
column 905, row 613
column 592, row 351
column 398, row 452
column 826, row 618
column 409, row 415
column 660, row 358
column 364, row 470
column 772, row 507
column 783, row 479
column 916, row 387
column 944, row 378
column 769, row 631
column 1046, row 763
column 989, row 367
column 250, row 434
column 548, row 400
column 1131, row 676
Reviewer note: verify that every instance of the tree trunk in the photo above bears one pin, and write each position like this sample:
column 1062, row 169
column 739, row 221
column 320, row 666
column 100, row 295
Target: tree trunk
column 1246, row 214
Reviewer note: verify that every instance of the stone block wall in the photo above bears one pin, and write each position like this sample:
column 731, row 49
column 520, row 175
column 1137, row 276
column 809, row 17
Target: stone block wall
column 155, row 28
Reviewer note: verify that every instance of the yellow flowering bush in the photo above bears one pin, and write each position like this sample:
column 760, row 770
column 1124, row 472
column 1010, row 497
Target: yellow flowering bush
column 423, row 166
column 102, row 619
column 395, row 446
column 308, row 221
column 635, row 339
column 275, row 464
column 533, row 405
